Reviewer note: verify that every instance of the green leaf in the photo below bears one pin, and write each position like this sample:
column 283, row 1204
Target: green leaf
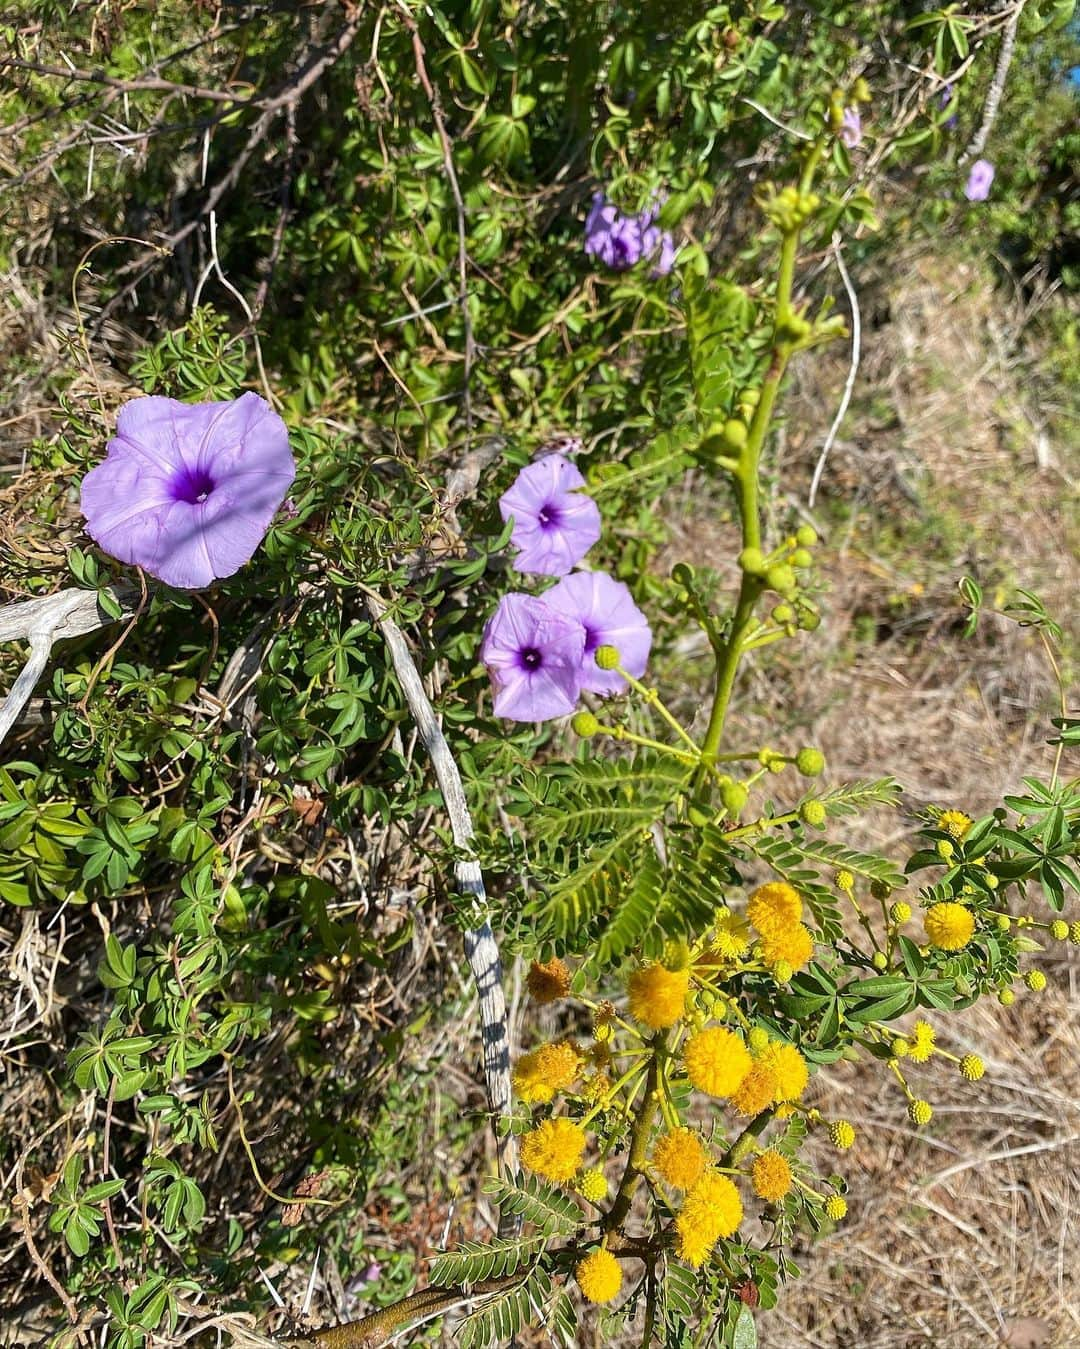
column 745, row 1334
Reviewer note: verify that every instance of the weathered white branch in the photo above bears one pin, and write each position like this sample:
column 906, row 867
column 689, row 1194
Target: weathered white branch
column 43, row 623
column 481, row 950
column 997, row 85
column 853, row 371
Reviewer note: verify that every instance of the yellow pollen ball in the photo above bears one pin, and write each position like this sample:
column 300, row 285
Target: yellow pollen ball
column 791, row 946
column 790, row 1070
column 592, row 1185
column 956, row 823
column 551, row 1068
column 756, row 1091
column 773, row 908
column 716, row 1061
column 835, row 1208
column 971, row 1067
column 553, row 1149
column 712, row 1210
column 548, row 983
column 731, row 936
column 680, row 1158
column 922, row 1042
column 658, row 995
column 771, row 1176
column 949, row 926
column 599, row 1276
column 842, row 1134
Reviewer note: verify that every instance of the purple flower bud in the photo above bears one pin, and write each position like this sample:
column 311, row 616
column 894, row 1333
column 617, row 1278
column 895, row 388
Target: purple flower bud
column 555, row 523
column 851, row 128
column 606, row 610
column 534, row 656
column 187, row 491
column 610, row 236
column 977, row 187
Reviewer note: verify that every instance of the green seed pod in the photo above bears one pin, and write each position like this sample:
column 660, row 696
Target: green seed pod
column 752, row 561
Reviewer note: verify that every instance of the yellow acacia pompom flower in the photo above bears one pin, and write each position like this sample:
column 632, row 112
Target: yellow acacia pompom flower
column 949, row 926
column 680, row 1158
column 920, row 1113
column 956, row 823
column 789, row 1068
column 842, row 1134
column 835, row 1208
column 773, row 908
column 712, row 1210
column 771, row 1176
column 658, row 995
column 553, row 1149
column 971, row 1068
column 592, row 1185
column 731, row 936
column 756, row 1091
column 921, row 1044
column 716, row 1061
column 551, row 1068
column 791, row 946
column 599, row 1276
column 549, row 982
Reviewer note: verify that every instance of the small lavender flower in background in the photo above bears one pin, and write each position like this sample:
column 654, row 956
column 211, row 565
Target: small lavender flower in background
column 612, row 237
column 187, row 491
column 606, row 610
column 534, row 655
column 851, row 128
column 977, row 187
column 555, row 523
column 944, row 99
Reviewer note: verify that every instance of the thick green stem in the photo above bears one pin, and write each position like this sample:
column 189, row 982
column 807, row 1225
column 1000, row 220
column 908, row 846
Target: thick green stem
column 639, row 1144
column 746, row 476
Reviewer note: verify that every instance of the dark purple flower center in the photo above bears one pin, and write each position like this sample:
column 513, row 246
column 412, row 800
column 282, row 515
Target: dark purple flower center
column 192, row 485
column 530, row 658
column 592, row 638
column 549, row 516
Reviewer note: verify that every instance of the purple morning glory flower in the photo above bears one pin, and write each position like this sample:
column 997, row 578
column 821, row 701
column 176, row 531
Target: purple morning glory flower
column 977, row 187
column 555, row 524
column 612, row 237
column 533, row 654
column 187, row 491
column 658, row 243
column 851, row 128
column 606, row 610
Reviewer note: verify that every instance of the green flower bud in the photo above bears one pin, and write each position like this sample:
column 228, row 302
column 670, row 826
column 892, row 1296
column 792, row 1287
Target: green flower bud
column 758, row 1039
column 880, row 961
column 1006, row 997
column 584, row 724
column 880, row 890
column 809, row 620
column 735, row 434
column 781, row 578
column 860, row 91
column 733, row 796
column 806, row 536
column 810, row 762
column 813, row 813
column 752, row 561
column 802, row 558
column 783, row 614
column 1003, row 922
column 607, row 657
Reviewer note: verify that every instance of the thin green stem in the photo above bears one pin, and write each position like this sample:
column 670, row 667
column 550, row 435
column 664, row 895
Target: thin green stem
column 639, row 1143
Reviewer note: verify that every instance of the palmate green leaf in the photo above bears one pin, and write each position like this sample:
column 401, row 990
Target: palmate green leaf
column 528, row 1197
column 477, row 1260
